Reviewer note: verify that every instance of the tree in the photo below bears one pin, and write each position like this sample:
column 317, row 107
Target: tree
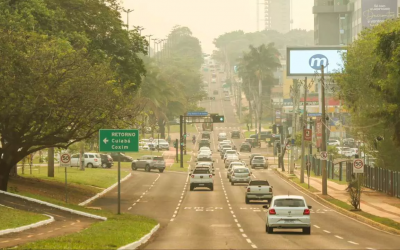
column 52, row 96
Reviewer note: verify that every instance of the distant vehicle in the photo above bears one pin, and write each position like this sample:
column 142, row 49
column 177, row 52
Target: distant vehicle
column 213, row 80
column 354, row 151
column 201, row 178
column 240, row 175
column 207, row 126
column 235, row 134
column 163, row 146
column 149, row 162
column 205, row 135
column 349, row 142
column 222, row 136
column 106, row 161
column 213, row 75
column 229, row 152
column 259, row 190
column 91, row 160
column 229, row 159
column 245, row 147
column 288, row 211
column 345, row 151
column 259, row 161
column 331, row 142
column 215, row 92
column 227, row 98
column 232, row 168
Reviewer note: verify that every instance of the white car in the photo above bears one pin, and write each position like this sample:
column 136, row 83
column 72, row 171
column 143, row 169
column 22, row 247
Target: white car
column 205, row 148
column 240, row 175
column 90, row 160
column 288, row 211
column 163, row 145
column 345, row 151
column 221, row 145
column 333, row 142
column 201, row 178
column 230, row 159
column 230, row 152
column 222, row 136
column 354, row 151
column 232, row 168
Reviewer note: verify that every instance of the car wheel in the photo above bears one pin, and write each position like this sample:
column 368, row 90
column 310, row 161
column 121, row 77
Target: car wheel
column 89, row 165
column 247, row 200
column 212, row 188
column 147, row 168
column 104, row 165
column 191, row 187
column 161, row 170
column 269, row 201
column 269, row 230
column 232, row 183
column 134, row 167
column 307, row 230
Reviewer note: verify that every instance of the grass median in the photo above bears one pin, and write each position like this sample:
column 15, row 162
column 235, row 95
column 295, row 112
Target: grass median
column 13, row 218
column 117, row 231
column 177, row 166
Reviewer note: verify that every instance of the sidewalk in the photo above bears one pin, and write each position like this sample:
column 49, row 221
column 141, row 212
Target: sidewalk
column 372, row 202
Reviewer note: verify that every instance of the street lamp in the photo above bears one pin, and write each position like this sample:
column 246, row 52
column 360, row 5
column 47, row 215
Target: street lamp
column 154, row 46
column 149, row 47
column 139, row 28
column 127, row 17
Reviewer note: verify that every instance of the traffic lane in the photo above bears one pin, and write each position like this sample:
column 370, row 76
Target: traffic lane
column 203, row 222
column 253, row 222
column 334, row 224
column 162, row 200
column 131, row 190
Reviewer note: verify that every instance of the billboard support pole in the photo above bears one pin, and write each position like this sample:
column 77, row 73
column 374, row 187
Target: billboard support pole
column 304, row 127
column 323, row 146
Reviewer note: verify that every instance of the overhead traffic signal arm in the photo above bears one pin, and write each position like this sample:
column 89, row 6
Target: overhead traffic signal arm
column 217, row 118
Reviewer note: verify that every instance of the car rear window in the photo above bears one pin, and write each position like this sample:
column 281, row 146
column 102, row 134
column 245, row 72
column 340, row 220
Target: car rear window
column 241, row 170
column 158, row 158
column 201, row 171
column 289, row 203
column 259, row 183
column 258, row 158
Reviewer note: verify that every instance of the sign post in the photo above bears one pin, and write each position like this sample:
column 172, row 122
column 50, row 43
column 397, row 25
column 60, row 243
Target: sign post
column 323, row 155
column 358, row 168
column 65, row 161
column 119, row 140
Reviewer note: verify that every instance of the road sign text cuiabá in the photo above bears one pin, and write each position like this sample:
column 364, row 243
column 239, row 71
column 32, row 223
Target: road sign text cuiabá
column 119, row 140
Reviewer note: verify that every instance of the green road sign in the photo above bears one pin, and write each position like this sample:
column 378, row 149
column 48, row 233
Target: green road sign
column 119, row 140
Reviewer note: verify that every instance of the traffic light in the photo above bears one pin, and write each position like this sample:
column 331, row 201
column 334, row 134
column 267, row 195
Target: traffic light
column 218, row 118
column 175, row 145
column 274, row 129
column 280, row 129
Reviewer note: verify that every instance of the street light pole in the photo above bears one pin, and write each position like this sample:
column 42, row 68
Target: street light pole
column 149, row 47
column 303, row 142
column 323, row 146
column 154, row 46
column 127, row 17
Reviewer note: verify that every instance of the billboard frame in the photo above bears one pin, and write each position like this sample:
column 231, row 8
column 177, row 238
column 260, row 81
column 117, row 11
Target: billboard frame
column 297, row 76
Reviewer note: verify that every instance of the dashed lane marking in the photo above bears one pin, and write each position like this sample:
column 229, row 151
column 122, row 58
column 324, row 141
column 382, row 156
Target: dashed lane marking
column 316, row 226
column 337, row 236
column 352, row 242
column 238, row 225
column 241, row 230
column 43, row 233
column 244, row 235
column 249, row 241
column 129, row 208
column 326, row 231
column 5, row 241
column 253, row 246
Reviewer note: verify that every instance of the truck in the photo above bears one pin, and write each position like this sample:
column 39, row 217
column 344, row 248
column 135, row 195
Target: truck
column 201, row 178
column 258, row 190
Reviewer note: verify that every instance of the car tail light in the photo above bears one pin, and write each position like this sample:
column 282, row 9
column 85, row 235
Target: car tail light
column 210, row 175
column 248, row 189
column 192, row 176
column 306, row 211
column 95, row 160
column 272, row 211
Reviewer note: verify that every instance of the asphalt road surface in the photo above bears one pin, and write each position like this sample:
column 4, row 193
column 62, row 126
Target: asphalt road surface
column 220, row 219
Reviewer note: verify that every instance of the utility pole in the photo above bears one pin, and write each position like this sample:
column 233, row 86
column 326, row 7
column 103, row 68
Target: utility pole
column 304, row 127
column 260, row 106
column 294, row 121
column 323, row 146
column 149, row 36
column 154, row 47
column 127, row 17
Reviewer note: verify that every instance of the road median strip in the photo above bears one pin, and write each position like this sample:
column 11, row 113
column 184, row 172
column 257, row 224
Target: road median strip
column 389, row 225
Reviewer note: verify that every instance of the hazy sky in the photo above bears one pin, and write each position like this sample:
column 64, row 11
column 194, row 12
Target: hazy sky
column 207, row 19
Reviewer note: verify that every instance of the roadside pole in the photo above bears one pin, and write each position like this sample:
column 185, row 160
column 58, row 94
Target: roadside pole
column 66, row 186
column 304, row 127
column 184, row 132
column 119, row 182
column 176, row 148
column 158, row 142
column 323, row 146
column 181, row 140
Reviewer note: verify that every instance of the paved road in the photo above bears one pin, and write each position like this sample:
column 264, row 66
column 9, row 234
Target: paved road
column 64, row 222
column 220, row 219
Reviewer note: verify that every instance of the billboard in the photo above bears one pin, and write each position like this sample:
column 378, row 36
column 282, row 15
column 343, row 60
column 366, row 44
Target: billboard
column 375, row 12
column 307, row 61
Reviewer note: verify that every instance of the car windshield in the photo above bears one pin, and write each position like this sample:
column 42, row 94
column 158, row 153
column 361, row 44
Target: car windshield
column 158, row 158
column 289, row 203
column 230, row 152
column 260, row 158
column 242, row 170
column 201, row 171
column 259, row 183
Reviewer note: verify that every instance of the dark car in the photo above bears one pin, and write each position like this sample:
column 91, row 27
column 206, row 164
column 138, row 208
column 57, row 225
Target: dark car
column 245, row 147
column 124, row 158
column 235, row 134
column 204, row 143
column 205, row 135
column 106, row 161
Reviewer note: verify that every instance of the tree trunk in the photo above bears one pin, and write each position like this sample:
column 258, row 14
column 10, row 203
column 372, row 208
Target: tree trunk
column 50, row 157
column 161, row 126
column 251, row 115
column 5, row 174
column 82, row 159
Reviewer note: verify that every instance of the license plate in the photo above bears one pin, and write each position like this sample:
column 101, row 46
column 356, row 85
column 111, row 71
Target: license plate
column 201, row 184
column 289, row 221
column 259, row 195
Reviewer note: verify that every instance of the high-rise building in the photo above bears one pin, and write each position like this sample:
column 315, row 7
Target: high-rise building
column 338, row 22
column 277, row 15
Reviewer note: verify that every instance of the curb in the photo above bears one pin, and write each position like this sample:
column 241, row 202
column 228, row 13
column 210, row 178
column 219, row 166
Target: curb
column 55, row 206
column 144, row 239
column 23, row 228
column 103, row 192
column 357, row 217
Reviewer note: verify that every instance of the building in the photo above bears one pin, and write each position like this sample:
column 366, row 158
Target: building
column 338, row 22
column 277, row 15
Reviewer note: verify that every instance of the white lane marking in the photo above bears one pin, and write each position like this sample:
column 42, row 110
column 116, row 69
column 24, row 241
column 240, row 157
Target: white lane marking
column 133, row 204
column 253, row 246
column 316, row 226
column 352, row 242
column 174, row 215
column 180, row 200
column 232, row 212
column 144, row 193
column 141, row 197
column 235, row 220
column 245, row 236
column 326, row 231
column 370, row 248
column 337, row 236
column 172, row 220
column 175, row 212
column 238, row 225
column 248, row 240
column 138, row 200
column 254, row 176
column 234, row 216
column 129, row 208
column 241, row 230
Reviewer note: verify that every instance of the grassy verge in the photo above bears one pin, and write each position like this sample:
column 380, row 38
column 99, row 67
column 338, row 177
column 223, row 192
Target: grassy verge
column 304, row 185
column 117, row 231
column 13, row 218
column 97, row 177
column 177, row 166
column 381, row 220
